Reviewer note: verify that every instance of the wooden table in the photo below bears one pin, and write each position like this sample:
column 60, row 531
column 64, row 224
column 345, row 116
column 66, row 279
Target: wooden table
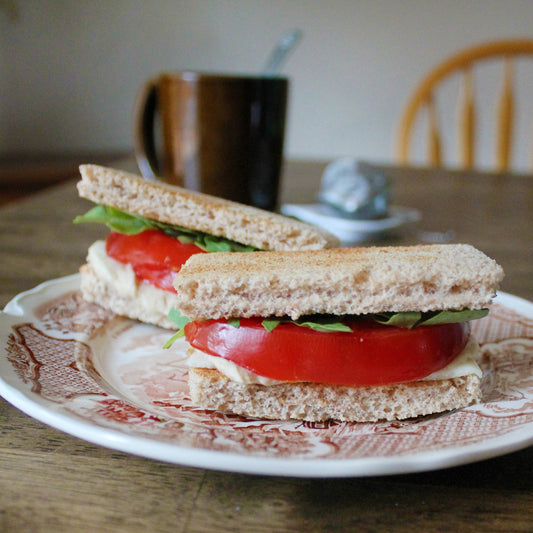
column 50, row 481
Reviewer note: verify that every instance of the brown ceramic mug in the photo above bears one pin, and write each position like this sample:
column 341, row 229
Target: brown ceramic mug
column 219, row 134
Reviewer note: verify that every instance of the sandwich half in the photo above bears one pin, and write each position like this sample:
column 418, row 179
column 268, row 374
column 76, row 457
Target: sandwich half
column 354, row 334
column 156, row 227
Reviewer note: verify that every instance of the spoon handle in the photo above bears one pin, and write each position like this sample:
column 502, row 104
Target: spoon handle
column 280, row 52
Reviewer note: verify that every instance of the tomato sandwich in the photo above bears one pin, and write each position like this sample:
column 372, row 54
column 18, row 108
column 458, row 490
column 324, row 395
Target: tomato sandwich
column 351, row 334
column 156, row 227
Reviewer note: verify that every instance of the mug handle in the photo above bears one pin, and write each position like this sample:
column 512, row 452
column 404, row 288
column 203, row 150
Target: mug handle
column 144, row 121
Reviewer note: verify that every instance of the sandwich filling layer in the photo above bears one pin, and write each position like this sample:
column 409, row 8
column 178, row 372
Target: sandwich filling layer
column 350, row 351
column 116, row 287
column 465, row 364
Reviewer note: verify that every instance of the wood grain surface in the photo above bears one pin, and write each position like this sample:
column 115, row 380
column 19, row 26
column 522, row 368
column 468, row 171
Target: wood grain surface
column 52, row 482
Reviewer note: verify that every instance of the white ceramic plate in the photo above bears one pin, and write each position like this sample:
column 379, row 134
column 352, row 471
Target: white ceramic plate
column 350, row 230
column 106, row 380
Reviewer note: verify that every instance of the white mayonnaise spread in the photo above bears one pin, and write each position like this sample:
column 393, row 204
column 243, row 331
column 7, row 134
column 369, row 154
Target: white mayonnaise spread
column 197, row 358
column 464, row 364
column 122, row 277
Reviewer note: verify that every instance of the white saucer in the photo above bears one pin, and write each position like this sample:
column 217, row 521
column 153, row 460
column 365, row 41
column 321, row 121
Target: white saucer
column 352, row 230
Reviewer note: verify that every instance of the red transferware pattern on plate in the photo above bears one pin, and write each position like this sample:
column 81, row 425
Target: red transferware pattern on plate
column 111, row 373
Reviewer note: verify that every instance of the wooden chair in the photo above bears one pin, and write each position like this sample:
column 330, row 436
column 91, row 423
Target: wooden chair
column 463, row 63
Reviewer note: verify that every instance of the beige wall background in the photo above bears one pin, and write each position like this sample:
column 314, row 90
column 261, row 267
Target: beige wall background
column 70, row 69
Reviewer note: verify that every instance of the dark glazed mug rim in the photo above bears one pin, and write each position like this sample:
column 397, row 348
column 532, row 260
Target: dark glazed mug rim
column 198, row 75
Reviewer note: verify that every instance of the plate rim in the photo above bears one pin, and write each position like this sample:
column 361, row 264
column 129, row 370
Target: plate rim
column 152, row 448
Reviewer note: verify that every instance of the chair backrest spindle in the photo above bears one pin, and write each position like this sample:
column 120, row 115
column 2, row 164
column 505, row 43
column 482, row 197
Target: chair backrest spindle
column 434, row 140
column 467, row 121
column 505, row 118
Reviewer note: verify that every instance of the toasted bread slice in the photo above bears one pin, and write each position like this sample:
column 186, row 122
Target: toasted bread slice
column 315, row 402
column 201, row 212
column 337, row 281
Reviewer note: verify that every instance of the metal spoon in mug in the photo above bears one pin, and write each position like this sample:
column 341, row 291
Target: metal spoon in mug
column 282, row 49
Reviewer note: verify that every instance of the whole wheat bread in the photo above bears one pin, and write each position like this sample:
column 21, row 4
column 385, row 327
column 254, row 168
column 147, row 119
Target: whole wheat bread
column 317, row 402
column 216, row 216
column 337, row 281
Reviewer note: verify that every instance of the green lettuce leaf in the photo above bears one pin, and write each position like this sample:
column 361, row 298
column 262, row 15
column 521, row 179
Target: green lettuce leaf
column 450, row 317
column 409, row 319
column 414, row 319
column 128, row 224
column 180, row 333
column 330, row 323
column 270, row 323
column 324, row 323
column 115, row 220
column 180, row 320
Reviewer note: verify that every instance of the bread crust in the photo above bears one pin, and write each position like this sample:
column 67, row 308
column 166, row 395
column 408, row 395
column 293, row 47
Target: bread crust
column 216, row 216
column 315, row 402
column 337, row 281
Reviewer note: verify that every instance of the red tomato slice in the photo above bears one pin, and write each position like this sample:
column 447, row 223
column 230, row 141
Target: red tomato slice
column 373, row 354
column 154, row 256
